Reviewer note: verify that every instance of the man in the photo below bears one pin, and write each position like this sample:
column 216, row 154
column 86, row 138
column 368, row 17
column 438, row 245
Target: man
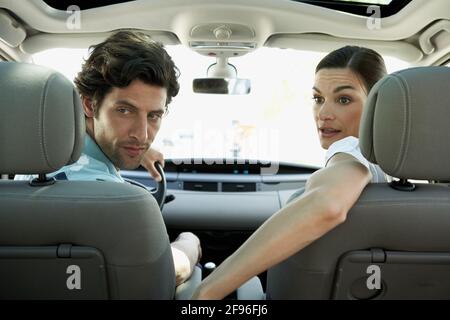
column 125, row 86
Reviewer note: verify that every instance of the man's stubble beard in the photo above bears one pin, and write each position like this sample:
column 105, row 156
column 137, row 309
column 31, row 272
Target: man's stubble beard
column 120, row 161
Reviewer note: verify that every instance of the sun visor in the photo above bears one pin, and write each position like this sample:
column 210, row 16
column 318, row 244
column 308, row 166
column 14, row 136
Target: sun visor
column 11, row 32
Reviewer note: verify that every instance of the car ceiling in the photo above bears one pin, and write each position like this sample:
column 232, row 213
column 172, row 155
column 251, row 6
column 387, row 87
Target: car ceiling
column 419, row 33
column 387, row 7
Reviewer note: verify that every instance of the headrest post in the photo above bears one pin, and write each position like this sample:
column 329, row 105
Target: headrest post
column 402, row 185
column 42, row 180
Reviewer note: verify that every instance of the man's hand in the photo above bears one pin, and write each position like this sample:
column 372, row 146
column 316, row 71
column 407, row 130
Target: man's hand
column 148, row 162
column 186, row 253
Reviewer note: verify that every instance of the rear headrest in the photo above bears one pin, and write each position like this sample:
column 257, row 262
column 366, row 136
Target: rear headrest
column 405, row 124
column 42, row 124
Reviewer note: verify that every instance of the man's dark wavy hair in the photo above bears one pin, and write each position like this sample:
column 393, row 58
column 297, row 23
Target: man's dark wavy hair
column 123, row 57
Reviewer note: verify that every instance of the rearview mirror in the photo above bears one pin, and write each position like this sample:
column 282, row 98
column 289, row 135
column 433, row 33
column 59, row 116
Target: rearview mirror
column 222, row 79
column 222, row 85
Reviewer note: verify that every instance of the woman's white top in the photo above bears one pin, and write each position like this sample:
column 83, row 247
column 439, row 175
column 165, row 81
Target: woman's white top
column 350, row 145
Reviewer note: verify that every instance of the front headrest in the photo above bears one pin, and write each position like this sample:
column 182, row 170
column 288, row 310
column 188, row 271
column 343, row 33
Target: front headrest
column 42, row 124
column 405, row 124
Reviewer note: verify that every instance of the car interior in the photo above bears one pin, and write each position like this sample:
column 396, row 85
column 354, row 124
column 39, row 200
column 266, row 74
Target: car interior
column 239, row 144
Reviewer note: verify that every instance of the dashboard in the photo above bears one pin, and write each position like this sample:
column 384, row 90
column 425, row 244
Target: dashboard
column 223, row 194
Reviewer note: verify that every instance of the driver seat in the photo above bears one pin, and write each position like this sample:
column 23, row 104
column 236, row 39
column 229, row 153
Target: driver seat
column 69, row 239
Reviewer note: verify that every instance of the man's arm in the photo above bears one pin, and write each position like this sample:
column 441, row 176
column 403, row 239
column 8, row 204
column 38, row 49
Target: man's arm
column 148, row 162
column 186, row 252
column 329, row 195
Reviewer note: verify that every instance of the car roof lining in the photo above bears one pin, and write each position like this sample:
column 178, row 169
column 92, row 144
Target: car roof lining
column 359, row 8
column 276, row 23
column 325, row 43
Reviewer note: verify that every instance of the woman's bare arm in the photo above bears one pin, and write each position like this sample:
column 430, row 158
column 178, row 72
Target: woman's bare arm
column 329, row 195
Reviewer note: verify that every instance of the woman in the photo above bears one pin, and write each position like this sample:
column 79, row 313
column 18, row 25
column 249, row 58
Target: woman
column 342, row 82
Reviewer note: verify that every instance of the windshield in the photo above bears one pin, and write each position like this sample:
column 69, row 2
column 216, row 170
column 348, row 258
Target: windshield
column 272, row 123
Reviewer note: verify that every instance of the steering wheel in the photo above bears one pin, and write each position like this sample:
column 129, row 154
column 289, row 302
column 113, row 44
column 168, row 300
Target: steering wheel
column 160, row 192
column 161, row 189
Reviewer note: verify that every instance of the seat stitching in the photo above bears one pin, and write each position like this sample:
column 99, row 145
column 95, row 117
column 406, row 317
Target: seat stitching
column 42, row 118
column 404, row 142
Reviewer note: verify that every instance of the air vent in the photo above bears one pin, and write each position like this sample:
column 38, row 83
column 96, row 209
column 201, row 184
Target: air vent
column 238, row 187
column 200, row 186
